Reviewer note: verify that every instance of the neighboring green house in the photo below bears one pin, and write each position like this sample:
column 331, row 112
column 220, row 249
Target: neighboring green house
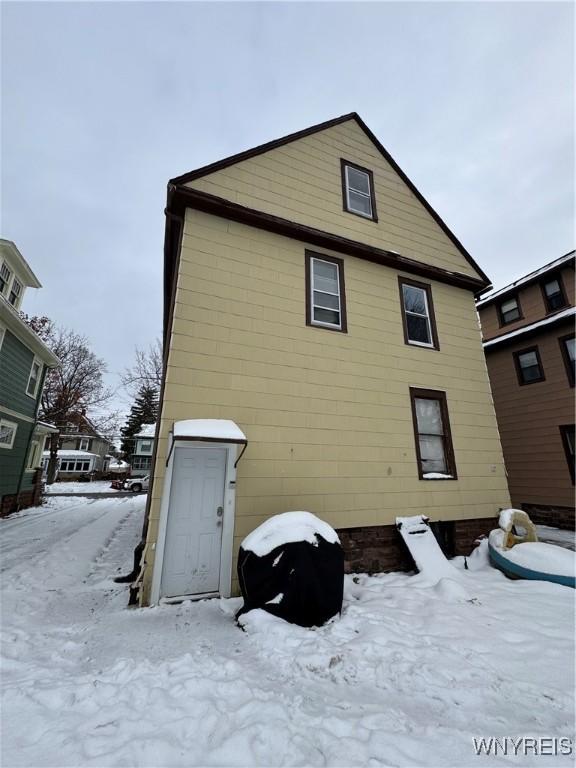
column 24, row 361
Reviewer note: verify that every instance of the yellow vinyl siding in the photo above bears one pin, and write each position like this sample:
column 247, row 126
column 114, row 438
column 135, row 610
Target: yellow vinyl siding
column 327, row 414
column 301, row 181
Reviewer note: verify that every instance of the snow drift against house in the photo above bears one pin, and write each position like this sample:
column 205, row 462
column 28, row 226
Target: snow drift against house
column 286, row 528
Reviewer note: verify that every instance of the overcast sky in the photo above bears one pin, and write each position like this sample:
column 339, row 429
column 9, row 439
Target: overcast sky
column 103, row 102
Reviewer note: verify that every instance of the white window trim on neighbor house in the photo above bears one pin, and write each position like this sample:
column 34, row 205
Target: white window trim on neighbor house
column 38, row 362
column 227, row 542
column 84, row 444
column 4, row 268
column 2, row 335
column 10, row 425
column 35, row 455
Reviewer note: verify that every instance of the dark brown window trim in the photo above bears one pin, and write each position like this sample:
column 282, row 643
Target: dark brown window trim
column 565, row 430
column 434, row 394
column 568, row 365
column 548, row 279
column 431, row 315
column 524, row 351
column 370, row 174
column 501, row 319
column 308, row 256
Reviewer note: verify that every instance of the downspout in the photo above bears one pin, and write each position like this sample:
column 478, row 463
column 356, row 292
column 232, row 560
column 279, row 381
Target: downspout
column 29, row 443
column 135, row 577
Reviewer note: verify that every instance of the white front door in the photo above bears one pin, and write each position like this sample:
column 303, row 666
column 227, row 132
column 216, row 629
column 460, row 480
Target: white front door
column 192, row 551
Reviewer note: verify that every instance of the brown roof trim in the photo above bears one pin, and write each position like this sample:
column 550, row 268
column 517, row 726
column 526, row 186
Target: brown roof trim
column 181, row 198
column 246, row 155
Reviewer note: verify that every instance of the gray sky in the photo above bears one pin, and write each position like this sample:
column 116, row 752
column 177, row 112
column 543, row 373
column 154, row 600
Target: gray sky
column 103, row 102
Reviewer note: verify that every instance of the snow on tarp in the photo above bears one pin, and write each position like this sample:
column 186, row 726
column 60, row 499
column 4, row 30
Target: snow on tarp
column 286, row 528
column 425, row 550
column 536, row 555
column 215, row 429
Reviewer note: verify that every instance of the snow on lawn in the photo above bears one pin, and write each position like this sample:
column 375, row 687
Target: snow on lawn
column 408, row 676
column 96, row 486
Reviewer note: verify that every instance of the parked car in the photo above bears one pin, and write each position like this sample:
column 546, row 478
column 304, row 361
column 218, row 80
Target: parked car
column 137, row 484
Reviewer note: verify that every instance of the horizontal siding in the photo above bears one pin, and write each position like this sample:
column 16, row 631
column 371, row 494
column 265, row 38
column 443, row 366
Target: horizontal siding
column 12, row 461
column 15, row 365
column 327, row 415
column 301, row 181
column 531, row 303
column 529, row 418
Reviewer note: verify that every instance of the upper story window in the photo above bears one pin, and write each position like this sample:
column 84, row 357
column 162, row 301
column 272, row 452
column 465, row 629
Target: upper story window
column 529, row 366
column 34, row 378
column 434, row 448
column 418, row 314
column 554, row 294
column 358, row 190
column 146, row 446
column 568, row 347
column 325, row 295
column 509, row 310
column 15, row 292
column 8, row 431
column 5, row 275
column 84, row 444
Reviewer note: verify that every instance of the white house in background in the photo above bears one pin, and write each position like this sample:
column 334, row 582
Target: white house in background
column 117, row 466
column 141, row 460
column 73, row 463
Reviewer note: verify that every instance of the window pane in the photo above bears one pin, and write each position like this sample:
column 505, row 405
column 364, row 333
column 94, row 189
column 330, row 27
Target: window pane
column 326, row 300
column 551, row 288
column 326, row 316
column 414, row 299
column 531, row 373
column 358, row 180
column 325, row 276
column 359, row 203
column 418, row 329
column 507, row 306
column 556, row 301
column 6, row 434
column 432, row 453
column 429, row 416
column 528, row 359
column 571, row 349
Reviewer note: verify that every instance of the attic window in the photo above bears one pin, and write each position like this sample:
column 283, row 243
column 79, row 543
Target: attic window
column 15, row 292
column 358, row 190
column 4, row 277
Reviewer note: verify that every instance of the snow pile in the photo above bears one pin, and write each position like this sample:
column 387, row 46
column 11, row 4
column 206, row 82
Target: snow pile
column 425, row 550
column 437, row 476
column 408, row 676
column 76, row 487
column 536, row 555
column 506, row 519
column 286, row 528
column 214, row 429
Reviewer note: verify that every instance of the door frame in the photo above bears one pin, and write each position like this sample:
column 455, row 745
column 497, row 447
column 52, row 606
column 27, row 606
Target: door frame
column 227, row 542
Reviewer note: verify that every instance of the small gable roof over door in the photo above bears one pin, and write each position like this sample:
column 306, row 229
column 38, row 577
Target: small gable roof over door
column 299, row 181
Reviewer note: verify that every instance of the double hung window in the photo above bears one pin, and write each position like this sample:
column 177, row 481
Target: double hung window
column 553, row 292
column 358, row 190
column 509, row 311
column 568, row 348
column 325, row 297
column 418, row 314
column 434, row 449
column 529, row 366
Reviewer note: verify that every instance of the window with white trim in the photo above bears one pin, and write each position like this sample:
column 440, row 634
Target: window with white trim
column 34, row 378
column 15, row 293
column 5, row 275
column 33, row 455
column 2, row 334
column 325, row 302
column 84, row 443
column 8, row 431
column 418, row 314
column 358, row 190
column 146, row 446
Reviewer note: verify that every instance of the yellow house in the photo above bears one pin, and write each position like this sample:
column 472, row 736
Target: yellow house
column 322, row 353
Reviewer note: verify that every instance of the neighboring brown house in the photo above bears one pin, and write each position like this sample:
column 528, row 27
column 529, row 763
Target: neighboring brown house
column 528, row 330
column 323, row 354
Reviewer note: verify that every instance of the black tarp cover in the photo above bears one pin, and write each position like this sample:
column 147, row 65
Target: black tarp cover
column 309, row 577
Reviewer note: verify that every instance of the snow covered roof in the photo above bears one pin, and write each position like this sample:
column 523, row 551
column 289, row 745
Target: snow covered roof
column 147, row 430
column 209, row 429
column 532, row 327
column 44, row 426
column 530, row 277
column 71, row 454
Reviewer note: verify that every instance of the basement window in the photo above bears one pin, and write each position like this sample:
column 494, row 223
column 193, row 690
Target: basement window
column 358, row 190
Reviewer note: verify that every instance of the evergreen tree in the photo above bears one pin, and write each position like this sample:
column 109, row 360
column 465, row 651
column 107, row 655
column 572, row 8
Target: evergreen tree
column 143, row 411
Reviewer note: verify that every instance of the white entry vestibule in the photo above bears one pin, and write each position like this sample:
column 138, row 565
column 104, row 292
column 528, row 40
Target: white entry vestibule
column 196, row 525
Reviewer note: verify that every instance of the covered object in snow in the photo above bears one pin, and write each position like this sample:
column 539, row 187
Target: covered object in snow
column 293, row 567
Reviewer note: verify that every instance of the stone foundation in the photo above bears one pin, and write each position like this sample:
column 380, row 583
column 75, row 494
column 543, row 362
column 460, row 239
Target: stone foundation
column 381, row 549
column 557, row 517
column 31, row 497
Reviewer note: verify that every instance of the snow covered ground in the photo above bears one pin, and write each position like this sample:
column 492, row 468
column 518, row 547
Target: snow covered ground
column 408, row 676
column 74, row 486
